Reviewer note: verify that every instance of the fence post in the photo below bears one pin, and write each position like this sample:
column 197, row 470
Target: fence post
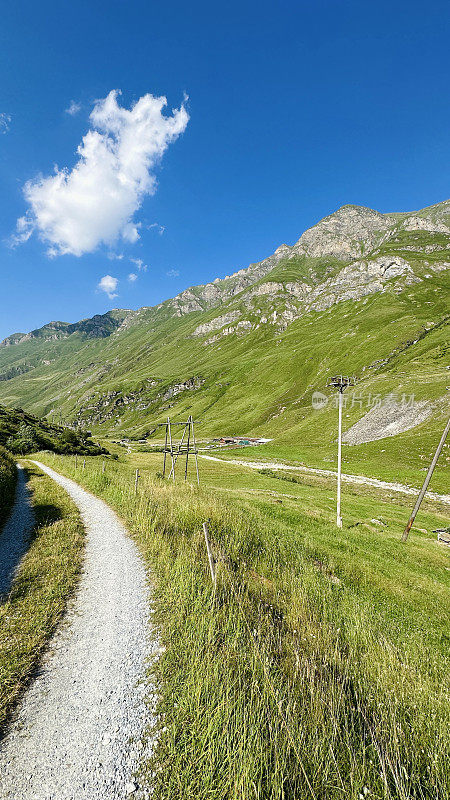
column 84, row 463
column 76, row 461
column 212, row 563
column 136, row 481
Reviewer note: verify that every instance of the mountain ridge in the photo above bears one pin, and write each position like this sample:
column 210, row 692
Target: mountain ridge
column 344, row 235
column 360, row 293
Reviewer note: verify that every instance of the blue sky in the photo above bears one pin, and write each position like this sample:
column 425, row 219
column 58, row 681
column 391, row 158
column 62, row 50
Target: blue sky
column 294, row 109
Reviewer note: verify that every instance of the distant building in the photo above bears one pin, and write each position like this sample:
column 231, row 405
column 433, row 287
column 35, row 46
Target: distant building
column 242, row 440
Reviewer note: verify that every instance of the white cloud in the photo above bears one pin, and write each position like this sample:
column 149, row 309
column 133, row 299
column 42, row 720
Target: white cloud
column 160, row 228
column 132, row 277
column 75, row 211
column 5, row 120
column 108, row 284
column 139, row 264
column 73, row 108
column 173, row 273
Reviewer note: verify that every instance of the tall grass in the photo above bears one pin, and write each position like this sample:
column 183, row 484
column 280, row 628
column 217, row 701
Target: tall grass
column 289, row 683
column 8, row 478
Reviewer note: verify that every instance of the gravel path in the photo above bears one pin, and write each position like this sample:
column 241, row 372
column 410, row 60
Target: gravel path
column 15, row 535
column 77, row 732
column 357, row 479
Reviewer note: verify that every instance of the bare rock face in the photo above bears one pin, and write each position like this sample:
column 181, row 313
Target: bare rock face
column 387, row 419
column 218, row 322
column 348, row 233
column 414, row 223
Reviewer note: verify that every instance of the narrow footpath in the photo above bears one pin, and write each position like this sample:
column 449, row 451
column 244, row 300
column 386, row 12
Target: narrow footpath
column 77, row 732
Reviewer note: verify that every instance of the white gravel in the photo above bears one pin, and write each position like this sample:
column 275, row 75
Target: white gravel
column 16, row 534
column 77, row 732
column 400, row 488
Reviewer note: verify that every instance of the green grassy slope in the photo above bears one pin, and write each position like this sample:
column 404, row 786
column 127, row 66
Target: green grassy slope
column 21, row 433
column 259, row 380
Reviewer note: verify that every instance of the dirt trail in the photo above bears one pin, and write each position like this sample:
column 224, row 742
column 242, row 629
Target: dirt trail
column 77, row 731
column 358, row 479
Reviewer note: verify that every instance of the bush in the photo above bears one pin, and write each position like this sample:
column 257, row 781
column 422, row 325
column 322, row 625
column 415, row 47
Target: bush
column 8, row 476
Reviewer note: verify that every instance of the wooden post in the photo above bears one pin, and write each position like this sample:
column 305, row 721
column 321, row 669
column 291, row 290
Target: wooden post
column 172, row 471
column 426, row 482
column 338, row 504
column 175, row 458
column 187, row 449
column 195, row 451
column 212, row 563
column 165, row 449
column 136, row 481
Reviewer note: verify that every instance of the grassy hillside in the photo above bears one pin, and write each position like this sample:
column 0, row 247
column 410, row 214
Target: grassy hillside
column 249, row 360
column 23, row 433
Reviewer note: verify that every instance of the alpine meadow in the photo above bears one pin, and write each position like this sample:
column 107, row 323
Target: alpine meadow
column 314, row 665
column 224, row 401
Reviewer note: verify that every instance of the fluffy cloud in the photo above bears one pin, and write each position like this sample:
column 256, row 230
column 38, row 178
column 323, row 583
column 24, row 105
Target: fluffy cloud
column 139, row 264
column 5, row 119
column 108, row 284
column 132, row 277
column 74, row 108
column 75, row 211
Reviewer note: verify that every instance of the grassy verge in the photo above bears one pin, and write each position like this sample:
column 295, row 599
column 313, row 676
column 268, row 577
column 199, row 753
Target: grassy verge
column 48, row 574
column 317, row 670
column 8, row 478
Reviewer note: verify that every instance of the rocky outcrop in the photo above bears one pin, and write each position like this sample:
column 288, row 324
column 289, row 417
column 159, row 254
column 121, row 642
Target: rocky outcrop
column 215, row 324
column 388, row 419
column 97, row 327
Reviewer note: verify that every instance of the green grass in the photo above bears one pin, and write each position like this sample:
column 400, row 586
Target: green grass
column 262, row 382
column 345, row 631
column 8, row 478
column 48, row 574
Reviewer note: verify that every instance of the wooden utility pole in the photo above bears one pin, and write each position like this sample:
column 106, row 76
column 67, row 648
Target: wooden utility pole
column 212, row 563
column 172, row 471
column 165, row 448
column 187, row 449
column 184, row 446
column 340, row 382
column 426, row 482
column 195, row 452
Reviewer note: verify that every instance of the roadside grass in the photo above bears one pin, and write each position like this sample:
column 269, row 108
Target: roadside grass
column 318, row 669
column 47, row 576
column 8, row 480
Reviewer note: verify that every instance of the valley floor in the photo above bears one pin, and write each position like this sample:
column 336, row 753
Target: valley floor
column 316, row 668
